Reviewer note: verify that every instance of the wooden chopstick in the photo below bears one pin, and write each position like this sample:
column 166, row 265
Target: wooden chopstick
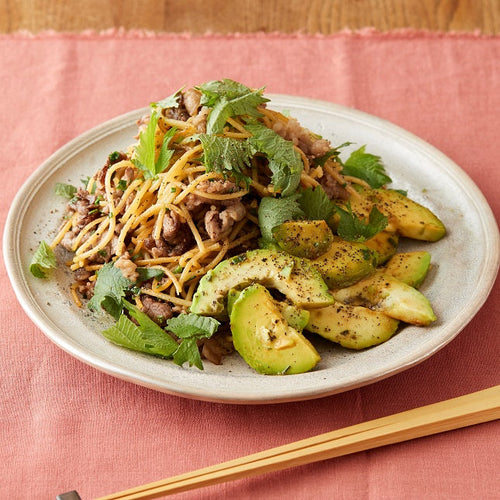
column 475, row 408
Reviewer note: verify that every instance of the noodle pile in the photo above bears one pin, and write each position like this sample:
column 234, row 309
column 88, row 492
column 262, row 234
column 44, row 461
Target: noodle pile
column 121, row 215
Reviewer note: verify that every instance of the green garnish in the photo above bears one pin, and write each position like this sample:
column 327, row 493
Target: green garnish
column 65, row 190
column 43, row 260
column 109, row 290
column 367, row 167
column 351, row 228
column 190, row 328
column 284, row 161
column 315, row 204
column 172, row 101
column 145, row 153
column 226, row 155
column 228, row 98
column 275, row 211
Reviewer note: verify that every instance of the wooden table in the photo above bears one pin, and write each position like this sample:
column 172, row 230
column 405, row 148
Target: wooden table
column 200, row 16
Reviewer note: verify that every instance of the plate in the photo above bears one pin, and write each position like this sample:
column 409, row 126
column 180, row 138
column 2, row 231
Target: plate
column 465, row 264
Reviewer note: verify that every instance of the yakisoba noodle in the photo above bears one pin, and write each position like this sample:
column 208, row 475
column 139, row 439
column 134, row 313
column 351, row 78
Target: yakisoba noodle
column 131, row 215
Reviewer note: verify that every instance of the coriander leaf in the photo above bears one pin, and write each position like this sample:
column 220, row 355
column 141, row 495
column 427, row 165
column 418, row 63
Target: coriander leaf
column 114, row 156
column 226, row 155
column 109, row 290
column 158, row 340
column 43, row 260
column 145, row 151
column 65, row 190
column 274, row 211
column 315, row 204
column 351, row 228
column 127, row 334
column 192, row 325
column 228, row 89
column 172, row 101
column 285, row 162
column 367, row 167
column 228, row 98
column 147, row 273
column 165, row 154
column 189, row 352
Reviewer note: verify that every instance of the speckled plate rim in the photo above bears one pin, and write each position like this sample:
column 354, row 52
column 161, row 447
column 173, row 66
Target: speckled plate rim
column 341, row 371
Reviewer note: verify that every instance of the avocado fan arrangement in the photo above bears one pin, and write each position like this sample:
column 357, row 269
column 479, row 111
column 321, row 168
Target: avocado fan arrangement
column 321, row 265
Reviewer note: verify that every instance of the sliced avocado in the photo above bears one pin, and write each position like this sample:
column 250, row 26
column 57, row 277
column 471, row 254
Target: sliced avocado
column 354, row 327
column 264, row 339
column 232, row 295
column 300, row 282
column 293, row 315
column 345, row 263
column 409, row 267
column 304, row 238
column 389, row 295
column 407, row 217
column 385, row 244
column 411, row 219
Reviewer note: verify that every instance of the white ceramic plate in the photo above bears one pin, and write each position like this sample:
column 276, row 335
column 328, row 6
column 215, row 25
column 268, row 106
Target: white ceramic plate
column 465, row 264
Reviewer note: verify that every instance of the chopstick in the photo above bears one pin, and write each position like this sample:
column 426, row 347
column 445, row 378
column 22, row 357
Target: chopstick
column 471, row 409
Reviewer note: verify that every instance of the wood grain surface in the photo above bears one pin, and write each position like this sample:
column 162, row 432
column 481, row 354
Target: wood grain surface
column 248, row 16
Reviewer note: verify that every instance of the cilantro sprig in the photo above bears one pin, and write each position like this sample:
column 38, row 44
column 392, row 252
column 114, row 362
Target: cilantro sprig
column 145, row 153
column 191, row 328
column 226, row 155
column 171, row 101
column 285, row 162
column 228, row 98
column 43, row 260
column 366, row 166
column 143, row 334
column 65, row 190
column 352, row 228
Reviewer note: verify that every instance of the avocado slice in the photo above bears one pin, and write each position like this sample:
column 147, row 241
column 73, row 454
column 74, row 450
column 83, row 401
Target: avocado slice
column 385, row 244
column 411, row 219
column 407, row 217
column 264, row 339
column 293, row 315
column 354, row 327
column 389, row 295
column 409, row 267
column 300, row 282
column 304, row 238
column 345, row 263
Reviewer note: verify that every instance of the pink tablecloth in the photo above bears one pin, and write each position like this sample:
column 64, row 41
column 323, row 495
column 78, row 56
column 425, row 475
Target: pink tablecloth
column 65, row 425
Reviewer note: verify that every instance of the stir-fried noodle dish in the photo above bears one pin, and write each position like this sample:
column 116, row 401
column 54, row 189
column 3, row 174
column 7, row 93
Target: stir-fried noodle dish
column 213, row 210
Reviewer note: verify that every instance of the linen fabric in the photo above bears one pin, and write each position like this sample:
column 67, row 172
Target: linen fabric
column 65, row 425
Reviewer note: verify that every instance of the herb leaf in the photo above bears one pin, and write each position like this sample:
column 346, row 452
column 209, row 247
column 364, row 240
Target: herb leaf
column 228, row 98
column 351, row 228
column 366, row 166
column 147, row 273
column 315, row 204
column 65, row 190
column 172, row 101
column 192, row 325
column 145, row 151
column 284, row 162
column 43, row 260
column 226, row 156
column 188, row 352
column 190, row 328
column 109, row 290
column 274, row 211
column 139, row 338
column 158, row 340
